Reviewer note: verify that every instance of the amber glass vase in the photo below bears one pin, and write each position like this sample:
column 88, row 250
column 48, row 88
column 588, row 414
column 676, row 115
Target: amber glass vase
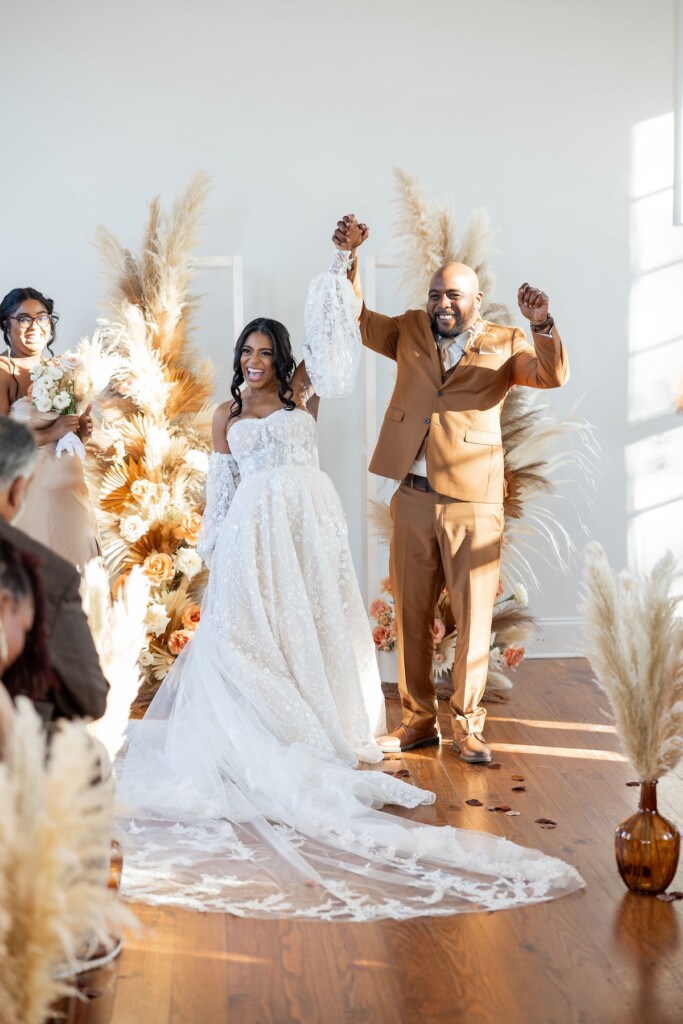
column 647, row 846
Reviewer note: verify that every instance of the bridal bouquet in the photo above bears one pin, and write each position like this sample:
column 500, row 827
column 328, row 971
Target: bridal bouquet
column 63, row 384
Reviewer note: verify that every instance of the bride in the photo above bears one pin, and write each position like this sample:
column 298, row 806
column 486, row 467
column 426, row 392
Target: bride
column 241, row 783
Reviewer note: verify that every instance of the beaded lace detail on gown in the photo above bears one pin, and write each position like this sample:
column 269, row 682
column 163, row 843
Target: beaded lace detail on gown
column 241, row 784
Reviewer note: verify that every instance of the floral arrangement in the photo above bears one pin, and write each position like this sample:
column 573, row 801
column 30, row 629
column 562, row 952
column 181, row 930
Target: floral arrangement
column 510, row 621
column 634, row 642
column 385, row 632
column 153, row 447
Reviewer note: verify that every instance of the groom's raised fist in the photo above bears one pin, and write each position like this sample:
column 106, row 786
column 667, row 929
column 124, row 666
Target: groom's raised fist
column 350, row 233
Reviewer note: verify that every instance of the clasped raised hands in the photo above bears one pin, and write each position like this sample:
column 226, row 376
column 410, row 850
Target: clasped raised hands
column 350, row 233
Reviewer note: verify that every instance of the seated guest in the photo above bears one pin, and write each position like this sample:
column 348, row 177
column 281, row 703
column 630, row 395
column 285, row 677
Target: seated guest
column 22, row 637
column 79, row 687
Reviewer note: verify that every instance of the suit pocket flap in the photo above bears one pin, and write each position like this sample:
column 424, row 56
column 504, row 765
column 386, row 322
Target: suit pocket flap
column 393, row 413
column 483, row 437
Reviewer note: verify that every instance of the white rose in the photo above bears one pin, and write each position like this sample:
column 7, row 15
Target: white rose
column 37, row 371
column 156, row 619
column 187, row 561
column 55, row 372
column 132, row 528
column 520, row 594
column 196, row 459
column 495, row 656
column 146, row 658
column 61, row 400
column 70, row 361
column 40, row 391
column 42, row 402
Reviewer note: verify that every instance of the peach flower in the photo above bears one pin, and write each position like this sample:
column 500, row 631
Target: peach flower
column 158, row 567
column 380, row 635
column 188, row 529
column 439, row 631
column 118, row 586
column 385, row 585
column 178, row 639
column 191, row 616
column 513, row 655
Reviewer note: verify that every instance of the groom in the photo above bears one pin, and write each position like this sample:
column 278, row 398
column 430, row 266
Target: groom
column 441, row 439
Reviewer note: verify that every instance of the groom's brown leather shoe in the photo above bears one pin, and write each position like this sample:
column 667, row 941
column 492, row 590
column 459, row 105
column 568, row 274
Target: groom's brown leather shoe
column 408, row 738
column 472, row 748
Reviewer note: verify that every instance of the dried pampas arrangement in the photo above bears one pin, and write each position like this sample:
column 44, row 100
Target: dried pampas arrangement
column 119, row 632
column 426, row 237
column 57, row 821
column 634, row 642
column 148, row 475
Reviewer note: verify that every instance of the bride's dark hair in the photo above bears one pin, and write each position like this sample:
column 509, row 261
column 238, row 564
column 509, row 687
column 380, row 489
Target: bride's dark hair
column 284, row 363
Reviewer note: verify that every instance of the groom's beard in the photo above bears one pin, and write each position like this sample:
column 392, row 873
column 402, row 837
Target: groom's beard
column 461, row 322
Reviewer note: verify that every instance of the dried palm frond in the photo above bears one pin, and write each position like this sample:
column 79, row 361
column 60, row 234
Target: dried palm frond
column 634, row 642
column 160, row 539
column 118, row 629
column 57, row 821
column 188, row 392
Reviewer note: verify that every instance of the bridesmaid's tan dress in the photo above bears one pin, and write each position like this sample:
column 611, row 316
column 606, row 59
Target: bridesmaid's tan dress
column 57, row 511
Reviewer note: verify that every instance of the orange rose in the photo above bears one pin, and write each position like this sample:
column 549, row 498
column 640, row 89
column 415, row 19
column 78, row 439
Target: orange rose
column 118, row 586
column 178, row 640
column 158, row 567
column 513, row 655
column 191, row 616
column 188, row 528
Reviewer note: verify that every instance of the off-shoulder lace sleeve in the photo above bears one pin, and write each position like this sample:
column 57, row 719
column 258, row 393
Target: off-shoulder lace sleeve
column 221, row 483
column 333, row 344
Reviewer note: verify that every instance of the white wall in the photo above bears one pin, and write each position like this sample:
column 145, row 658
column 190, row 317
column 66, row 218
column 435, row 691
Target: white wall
column 299, row 110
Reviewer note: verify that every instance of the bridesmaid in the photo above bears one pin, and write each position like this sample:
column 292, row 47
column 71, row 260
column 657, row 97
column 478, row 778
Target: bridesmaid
column 57, row 512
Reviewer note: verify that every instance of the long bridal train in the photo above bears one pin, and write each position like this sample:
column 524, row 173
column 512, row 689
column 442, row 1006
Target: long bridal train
column 241, row 781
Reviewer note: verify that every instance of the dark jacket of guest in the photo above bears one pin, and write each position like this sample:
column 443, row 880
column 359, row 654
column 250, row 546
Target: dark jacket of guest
column 83, row 690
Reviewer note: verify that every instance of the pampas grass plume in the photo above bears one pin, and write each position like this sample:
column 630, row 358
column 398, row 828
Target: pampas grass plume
column 57, row 820
column 634, row 642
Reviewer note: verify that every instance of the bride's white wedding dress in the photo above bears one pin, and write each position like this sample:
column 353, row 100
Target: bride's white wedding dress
column 241, row 781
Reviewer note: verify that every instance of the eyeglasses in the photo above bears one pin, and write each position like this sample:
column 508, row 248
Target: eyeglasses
column 43, row 320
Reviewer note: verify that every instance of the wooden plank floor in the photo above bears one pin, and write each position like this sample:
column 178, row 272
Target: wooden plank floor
column 595, row 957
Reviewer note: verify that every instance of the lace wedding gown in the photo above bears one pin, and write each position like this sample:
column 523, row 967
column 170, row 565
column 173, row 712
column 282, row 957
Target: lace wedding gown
column 242, row 780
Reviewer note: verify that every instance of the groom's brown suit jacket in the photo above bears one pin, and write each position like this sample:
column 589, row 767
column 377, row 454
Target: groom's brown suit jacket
column 461, row 410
